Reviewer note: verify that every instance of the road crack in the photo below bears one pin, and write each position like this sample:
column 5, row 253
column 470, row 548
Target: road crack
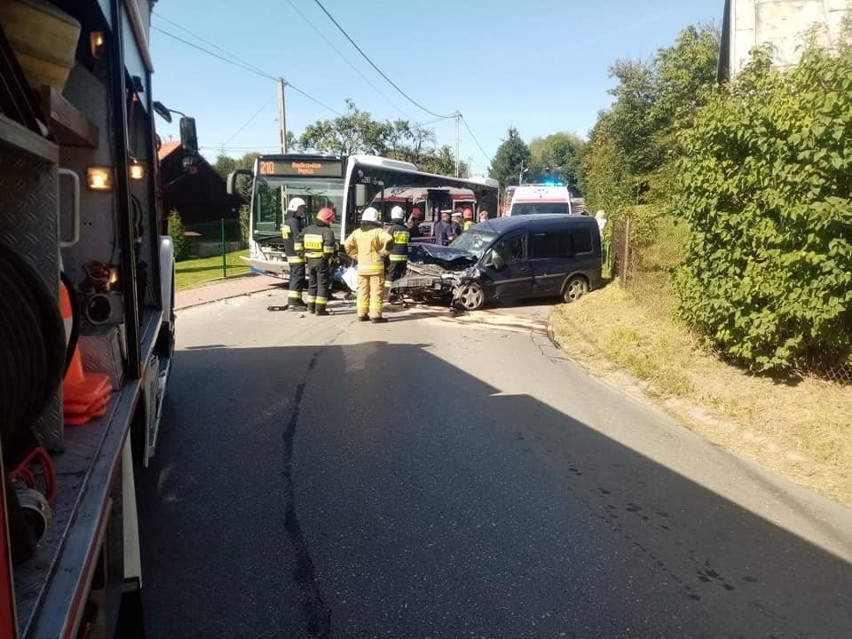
column 317, row 613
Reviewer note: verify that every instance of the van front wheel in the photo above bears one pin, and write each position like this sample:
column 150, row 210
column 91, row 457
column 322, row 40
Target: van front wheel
column 574, row 289
column 471, row 296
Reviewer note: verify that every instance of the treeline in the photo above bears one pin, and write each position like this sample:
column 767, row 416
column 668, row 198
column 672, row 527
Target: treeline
column 759, row 172
column 357, row 131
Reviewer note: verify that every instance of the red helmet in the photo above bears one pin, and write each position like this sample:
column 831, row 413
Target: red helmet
column 416, row 214
column 326, row 215
column 467, row 214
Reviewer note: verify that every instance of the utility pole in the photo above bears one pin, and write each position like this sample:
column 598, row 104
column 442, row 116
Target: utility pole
column 458, row 157
column 282, row 122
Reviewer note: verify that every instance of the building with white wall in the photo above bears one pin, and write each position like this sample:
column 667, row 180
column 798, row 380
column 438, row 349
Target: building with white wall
column 783, row 23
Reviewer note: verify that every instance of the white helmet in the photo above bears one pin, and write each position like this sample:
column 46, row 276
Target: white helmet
column 370, row 215
column 397, row 213
column 295, row 203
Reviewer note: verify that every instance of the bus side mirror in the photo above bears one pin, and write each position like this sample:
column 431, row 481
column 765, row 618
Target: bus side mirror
column 360, row 195
column 188, row 137
column 231, row 182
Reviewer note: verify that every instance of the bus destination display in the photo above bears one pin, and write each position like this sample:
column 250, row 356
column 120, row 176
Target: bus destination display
column 306, row 167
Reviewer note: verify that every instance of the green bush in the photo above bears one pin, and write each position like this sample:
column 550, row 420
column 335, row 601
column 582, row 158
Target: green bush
column 176, row 231
column 767, row 191
column 245, row 221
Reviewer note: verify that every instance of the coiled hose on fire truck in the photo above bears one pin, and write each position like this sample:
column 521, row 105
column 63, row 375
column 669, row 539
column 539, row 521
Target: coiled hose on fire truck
column 33, row 353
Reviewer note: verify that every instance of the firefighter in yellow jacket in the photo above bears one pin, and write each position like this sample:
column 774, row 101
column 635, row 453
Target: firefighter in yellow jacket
column 370, row 245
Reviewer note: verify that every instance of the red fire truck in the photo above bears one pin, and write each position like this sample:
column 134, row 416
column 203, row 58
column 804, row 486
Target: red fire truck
column 86, row 319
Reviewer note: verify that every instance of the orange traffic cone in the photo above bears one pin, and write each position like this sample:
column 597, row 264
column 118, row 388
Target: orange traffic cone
column 84, row 395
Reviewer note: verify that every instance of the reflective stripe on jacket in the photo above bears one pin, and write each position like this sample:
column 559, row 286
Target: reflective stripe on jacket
column 368, row 245
column 291, row 232
column 319, row 242
column 401, row 236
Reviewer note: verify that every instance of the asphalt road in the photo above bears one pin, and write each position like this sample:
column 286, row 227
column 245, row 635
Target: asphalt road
column 457, row 477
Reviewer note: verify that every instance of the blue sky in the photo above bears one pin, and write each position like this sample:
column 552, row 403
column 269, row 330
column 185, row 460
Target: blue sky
column 538, row 65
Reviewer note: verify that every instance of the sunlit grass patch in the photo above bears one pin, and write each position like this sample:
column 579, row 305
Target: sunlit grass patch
column 802, row 430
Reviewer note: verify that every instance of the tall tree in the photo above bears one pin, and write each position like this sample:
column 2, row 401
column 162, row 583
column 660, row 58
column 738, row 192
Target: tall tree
column 512, row 157
column 224, row 165
column 358, row 132
column 633, row 144
column 556, row 156
column 441, row 161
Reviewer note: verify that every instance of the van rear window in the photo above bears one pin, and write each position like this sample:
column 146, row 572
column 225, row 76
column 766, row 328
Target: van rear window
column 582, row 240
column 539, row 208
column 561, row 243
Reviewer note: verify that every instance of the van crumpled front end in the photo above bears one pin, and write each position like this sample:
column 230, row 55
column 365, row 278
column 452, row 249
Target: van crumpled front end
column 435, row 273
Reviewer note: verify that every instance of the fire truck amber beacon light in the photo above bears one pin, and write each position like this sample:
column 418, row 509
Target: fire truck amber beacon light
column 99, row 178
column 137, row 171
column 96, row 44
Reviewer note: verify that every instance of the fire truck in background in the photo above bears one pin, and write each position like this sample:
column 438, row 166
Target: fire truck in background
column 86, row 320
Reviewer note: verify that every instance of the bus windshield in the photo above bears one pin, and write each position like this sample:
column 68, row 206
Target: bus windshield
column 474, row 241
column 272, row 193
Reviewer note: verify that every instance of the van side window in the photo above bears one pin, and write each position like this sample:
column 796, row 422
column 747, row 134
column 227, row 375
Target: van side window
column 582, row 240
column 512, row 248
column 556, row 244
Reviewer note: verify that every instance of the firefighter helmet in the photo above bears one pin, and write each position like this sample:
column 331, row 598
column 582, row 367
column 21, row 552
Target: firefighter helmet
column 370, row 215
column 397, row 213
column 295, row 203
column 326, row 215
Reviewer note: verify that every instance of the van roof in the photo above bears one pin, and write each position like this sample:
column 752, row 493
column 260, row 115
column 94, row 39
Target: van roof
column 535, row 222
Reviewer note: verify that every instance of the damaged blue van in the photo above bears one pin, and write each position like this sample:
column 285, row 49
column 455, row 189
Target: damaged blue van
column 508, row 259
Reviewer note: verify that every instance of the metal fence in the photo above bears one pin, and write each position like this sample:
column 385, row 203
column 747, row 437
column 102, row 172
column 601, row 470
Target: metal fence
column 214, row 238
column 643, row 254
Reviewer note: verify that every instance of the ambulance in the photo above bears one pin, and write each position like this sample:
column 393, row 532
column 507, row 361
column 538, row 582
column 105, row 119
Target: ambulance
column 535, row 199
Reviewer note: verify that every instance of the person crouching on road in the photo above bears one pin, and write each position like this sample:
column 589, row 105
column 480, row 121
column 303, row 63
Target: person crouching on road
column 291, row 232
column 318, row 240
column 399, row 250
column 370, row 245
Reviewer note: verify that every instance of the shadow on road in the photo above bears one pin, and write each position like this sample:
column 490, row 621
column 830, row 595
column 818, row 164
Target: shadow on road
column 376, row 489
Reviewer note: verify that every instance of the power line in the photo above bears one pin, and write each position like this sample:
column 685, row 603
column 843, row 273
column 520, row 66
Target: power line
column 464, row 121
column 344, row 58
column 313, row 99
column 212, row 44
column 249, row 121
column 246, row 67
column 378, row 70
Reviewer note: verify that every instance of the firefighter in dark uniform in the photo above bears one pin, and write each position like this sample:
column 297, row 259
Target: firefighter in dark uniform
column 291, row 231
column 318, row 240
column 398, row 257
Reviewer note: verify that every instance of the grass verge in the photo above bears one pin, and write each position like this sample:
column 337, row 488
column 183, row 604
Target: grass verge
column 192, row 273
column 803, row 430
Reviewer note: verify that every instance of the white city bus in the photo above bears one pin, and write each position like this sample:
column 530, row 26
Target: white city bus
column 347, row 184
column 430, row 201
